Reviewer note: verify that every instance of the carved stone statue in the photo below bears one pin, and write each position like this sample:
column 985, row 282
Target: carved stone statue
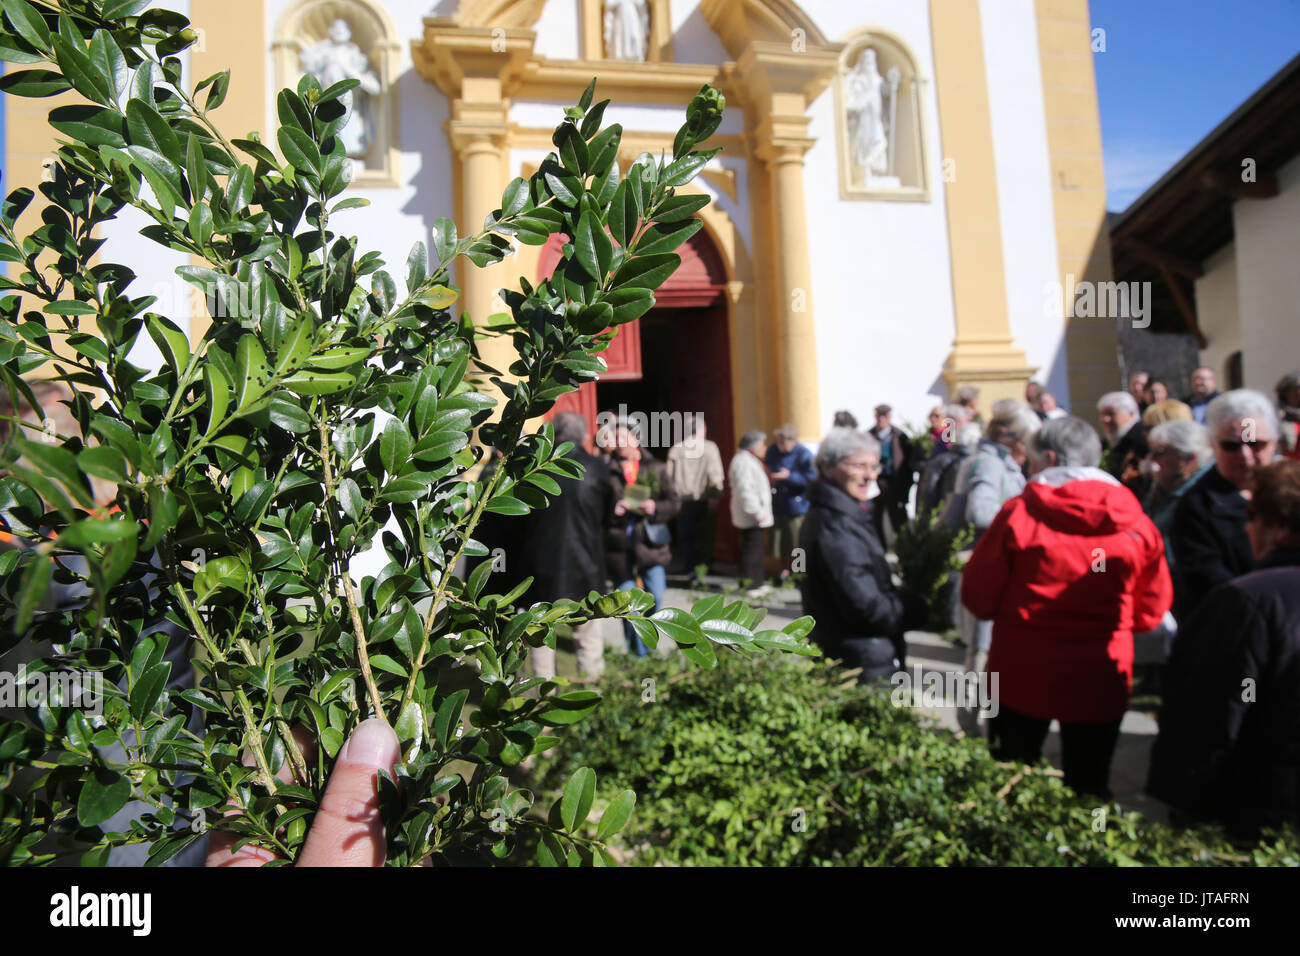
column 627, row 30
column 338, row 58
column 864, row 100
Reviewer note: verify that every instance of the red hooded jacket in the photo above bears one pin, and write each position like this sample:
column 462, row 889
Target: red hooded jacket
column 1067, row 572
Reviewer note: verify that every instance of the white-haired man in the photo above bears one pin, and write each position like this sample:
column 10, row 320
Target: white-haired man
column 1125, row 433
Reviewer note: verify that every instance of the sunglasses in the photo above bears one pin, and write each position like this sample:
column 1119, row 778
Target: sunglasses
column 1231, row 446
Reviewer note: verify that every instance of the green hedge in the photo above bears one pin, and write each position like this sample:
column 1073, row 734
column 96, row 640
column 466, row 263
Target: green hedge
column 776, row 762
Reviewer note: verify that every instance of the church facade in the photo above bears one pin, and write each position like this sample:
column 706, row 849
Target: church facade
column 903, row 183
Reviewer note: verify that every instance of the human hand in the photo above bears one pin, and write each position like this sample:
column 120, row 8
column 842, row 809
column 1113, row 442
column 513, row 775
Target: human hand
column 781, row 475
column 347, row 829
column 620, row 508
column 648, row 506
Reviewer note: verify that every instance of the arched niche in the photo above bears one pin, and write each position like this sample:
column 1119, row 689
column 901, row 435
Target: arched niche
column 901, row 88
column 306, row 23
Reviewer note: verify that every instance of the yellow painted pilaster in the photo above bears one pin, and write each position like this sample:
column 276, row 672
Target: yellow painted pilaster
column 779, row 83
column 240, row 45
column 983, row 352
column 1078, row 191
column 478, row 136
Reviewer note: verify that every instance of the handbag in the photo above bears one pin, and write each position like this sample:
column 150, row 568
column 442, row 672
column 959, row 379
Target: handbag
column 658, row 535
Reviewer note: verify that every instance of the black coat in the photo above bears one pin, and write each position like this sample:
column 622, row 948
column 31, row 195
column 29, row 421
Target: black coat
column 1209, row 541
column 1133, row 443
column 846, row 587
column 561, row 546
column 1217, row 755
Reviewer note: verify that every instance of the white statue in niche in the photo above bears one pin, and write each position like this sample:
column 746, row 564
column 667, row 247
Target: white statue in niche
column 337, row 58
column 871, row 131
column 627, row 30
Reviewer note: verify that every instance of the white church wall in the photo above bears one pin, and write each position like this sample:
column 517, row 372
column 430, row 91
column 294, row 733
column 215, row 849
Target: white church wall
column 559, row 35
column 882, row 275
column 1268, row 283
column 1024, row 183
column 693, row 40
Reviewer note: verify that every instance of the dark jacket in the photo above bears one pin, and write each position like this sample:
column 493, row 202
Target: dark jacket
column 667, row 505
column 847, row 588
column 1133, row 443
column 1229, row 743
column 939, row 476
column 1210, row 541
column 561, row 547
column 896, row 463
column 790, row 495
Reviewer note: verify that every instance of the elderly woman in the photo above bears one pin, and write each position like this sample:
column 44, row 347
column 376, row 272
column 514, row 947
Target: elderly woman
column 1067, row 572
column 847, row 589
column 993, row 475
column 1227, row 744
column 1180, row 456
column 637, row 541
column 1209, row 530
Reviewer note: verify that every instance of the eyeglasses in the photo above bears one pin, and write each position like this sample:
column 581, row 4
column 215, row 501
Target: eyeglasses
column 865, row 466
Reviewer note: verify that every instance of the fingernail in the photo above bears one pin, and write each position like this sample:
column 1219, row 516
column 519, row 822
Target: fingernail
column 373, row 743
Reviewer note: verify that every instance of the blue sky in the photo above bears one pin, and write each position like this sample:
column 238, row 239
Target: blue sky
column 1172, row 70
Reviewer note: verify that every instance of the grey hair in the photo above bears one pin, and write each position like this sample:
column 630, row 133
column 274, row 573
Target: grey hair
column 1189, row 439
column 968, row 435
column 570, row 426
column 1075, row 442
column 965, row 393
column 1012, row 420
column 1241, row 404
column 840, row 443
column 787, row 433
column 1120, row 401
column 751, row 438
column 957, row 412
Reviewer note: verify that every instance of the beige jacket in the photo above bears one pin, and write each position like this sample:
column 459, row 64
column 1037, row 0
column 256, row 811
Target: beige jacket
column 751, row 492
column 694, row 468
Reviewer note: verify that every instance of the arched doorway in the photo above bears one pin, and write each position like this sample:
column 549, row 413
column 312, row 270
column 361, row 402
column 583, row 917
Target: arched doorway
column 672, row 362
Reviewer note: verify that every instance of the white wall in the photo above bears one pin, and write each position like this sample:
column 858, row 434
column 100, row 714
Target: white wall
column 1268, row 281
column 1024, row 183
column 882, row 276
column 1216, row 309
column 559, row 34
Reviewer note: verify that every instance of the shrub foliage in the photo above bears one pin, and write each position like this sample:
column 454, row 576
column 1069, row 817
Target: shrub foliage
column 776, row 761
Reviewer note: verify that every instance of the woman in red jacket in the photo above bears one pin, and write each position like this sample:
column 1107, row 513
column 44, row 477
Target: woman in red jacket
column 1067, row 572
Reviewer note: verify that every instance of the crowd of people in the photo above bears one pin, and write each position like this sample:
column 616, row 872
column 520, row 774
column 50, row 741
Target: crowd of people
column 1169, row 538
column 1177, row 528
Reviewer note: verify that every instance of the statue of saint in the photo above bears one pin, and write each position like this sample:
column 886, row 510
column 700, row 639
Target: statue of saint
column 627, row 30
column 865, row 104
column 337, row 58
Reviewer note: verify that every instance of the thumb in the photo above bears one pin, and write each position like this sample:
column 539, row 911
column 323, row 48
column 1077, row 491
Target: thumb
column 347, row 829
